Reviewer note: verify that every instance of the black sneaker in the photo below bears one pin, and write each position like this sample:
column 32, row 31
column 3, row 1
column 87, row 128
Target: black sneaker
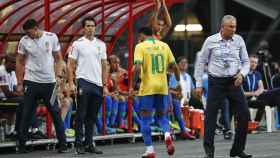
column 240, row 155
column 227, row 135
column 23, row 149
column 92, row 149
column 38, row 135
column 62, row 148
column 209, row 155
column 80, row 150
column 12, row 136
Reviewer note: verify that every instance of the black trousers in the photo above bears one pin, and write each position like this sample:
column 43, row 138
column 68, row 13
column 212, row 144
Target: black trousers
column 32, row 92
column 89, row 100
column 257, row 104
column 219, row 89
column 20, row 100
column 270, row 97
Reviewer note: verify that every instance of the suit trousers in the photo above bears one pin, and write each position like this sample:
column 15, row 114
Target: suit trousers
column 221, row 88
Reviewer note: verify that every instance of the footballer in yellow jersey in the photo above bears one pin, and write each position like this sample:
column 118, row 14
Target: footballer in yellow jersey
column 152, row 58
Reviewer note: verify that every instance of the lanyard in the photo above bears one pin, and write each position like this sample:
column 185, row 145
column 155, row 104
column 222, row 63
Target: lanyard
column 225, row 50
column 251, row 87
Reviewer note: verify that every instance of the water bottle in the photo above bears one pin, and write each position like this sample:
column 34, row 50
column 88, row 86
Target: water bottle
column 43, row 125
column 7, row 128
column 2, row 133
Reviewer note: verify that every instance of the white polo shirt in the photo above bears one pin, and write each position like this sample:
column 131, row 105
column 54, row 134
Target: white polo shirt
column 39, row 65
column 88, row 55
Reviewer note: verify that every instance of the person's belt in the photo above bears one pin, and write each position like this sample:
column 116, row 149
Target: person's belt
column 222, row 78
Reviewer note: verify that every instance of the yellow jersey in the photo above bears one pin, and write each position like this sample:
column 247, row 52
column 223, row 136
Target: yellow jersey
column 154, row 57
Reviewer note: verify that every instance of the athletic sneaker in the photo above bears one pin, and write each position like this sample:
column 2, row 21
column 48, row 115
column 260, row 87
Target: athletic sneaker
column 174, row 126
column 70, row 132
column 187, row 135
column 149, row 155
column 169, row 145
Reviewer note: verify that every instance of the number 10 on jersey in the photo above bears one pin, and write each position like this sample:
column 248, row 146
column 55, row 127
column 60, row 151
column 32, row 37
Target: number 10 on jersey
column 157, row 63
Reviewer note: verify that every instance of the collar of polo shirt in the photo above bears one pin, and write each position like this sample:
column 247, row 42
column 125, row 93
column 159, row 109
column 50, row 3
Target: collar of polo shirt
column 93, row 39
column 220, row 38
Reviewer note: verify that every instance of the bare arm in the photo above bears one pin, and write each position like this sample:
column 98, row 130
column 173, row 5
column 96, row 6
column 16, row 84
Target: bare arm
column 7, row 92
column 135, row 75
column 176, row 71
column 154, row 18
column 257, row 92
column 58, row 64
column 104, row 71
column 71, row 69
column 20, row 64
column 167, row 19
column 260, row 89
column 249, row 94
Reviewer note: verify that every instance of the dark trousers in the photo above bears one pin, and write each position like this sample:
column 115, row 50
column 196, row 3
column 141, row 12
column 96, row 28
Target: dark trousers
column 89, row 100
column 226, row 115
column 32, row 92
column 219, row 90
column 34, row 121
column 260, row 106
column 270, row 98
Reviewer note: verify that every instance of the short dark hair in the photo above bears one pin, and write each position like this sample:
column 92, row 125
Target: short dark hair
column 89, row 18
column 146, row 31
column 30, row 24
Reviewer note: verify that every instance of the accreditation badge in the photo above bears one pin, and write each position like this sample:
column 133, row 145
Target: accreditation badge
column 226, row 64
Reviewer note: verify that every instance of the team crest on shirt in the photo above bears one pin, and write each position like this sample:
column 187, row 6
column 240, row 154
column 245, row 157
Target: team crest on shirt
column 47, row 45
column 28, row 44
column 99, row 49
column 149, row 49
column 25, row 89
column 80, row 91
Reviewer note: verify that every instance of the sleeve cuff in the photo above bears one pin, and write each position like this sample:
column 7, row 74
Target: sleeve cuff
column 198, row 84
column 72, row 57
column 57, row 50
column 137, row 62
column 173, row 62
column 20, row 52
column 243, row 74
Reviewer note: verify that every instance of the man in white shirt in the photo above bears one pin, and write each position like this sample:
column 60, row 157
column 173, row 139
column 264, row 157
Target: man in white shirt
column 87, row 61
column 226, row 55
column 38, row 64
column 8, row 92
column 8, row 82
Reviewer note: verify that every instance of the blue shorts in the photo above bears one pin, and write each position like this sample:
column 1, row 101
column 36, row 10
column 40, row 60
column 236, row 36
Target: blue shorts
column 157, row 103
